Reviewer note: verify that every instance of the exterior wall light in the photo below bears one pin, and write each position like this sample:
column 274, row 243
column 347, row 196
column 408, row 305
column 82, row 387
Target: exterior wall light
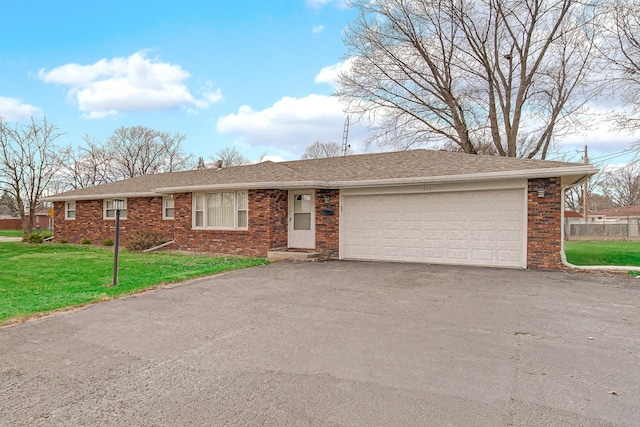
column 541, row 191
column 327, row 199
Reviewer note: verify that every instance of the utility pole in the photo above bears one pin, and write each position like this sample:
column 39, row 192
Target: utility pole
column 585, row 189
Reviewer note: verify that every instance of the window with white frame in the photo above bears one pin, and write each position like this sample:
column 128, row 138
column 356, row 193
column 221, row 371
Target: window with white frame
column 221, row 210
column 69, row 210
column 168, row 207
column 110, row 212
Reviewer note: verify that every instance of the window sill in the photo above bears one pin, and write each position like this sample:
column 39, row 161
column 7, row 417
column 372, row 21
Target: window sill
column 218, row 229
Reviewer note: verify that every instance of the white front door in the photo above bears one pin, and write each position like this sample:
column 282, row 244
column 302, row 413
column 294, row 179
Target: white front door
column 302, row 219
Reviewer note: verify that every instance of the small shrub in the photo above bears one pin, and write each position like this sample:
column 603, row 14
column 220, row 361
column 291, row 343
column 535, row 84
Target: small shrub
column 141, row 240
column 107, row 242
column 86, row 241
column 33, row 238
column 63, row 241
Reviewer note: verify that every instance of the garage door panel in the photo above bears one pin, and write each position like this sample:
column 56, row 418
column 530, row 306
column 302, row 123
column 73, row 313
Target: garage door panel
column 483, row 255
column 475, row 228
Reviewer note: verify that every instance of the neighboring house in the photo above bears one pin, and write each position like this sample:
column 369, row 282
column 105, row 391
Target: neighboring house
column 613, row 223
column 415, row 206
column 573, row 217
column 623, row 213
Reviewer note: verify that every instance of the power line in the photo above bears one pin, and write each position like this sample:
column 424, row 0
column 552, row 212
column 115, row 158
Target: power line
column 611, row 156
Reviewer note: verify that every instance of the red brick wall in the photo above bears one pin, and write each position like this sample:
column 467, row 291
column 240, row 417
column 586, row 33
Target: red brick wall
column 268, row 224
column 328, row 225
column 142, row 213
column 544, row 224
column 268, row 211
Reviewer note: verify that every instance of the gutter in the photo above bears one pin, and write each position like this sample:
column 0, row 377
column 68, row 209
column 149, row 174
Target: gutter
column 586, row 170
column 245, row 185
column 63, row 198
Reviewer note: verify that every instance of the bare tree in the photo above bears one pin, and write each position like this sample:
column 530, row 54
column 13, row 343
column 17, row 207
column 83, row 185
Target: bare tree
column 89, row 165
column 29, row 161
column 176, row 159
column 319, row 150
column 139, row 150
column 514, row 73
column 230, row 156
column 201, row 164
column 598, row 201
column 574, row 196
column 619, row 26
column 622, row 185
column 127, row 153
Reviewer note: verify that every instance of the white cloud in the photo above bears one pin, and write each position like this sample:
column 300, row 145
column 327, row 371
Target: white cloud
column 14, row 110
column 291, row 124
column 213, row 97
column 317, row 29
column 329, row 74
column 210, row 93
column 134, row 83
column 321, row 3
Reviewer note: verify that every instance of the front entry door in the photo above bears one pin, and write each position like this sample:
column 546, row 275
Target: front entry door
column 302, row 219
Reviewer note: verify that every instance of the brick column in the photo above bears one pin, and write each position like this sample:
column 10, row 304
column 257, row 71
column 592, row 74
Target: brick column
column 328, row 222
column 544, row 224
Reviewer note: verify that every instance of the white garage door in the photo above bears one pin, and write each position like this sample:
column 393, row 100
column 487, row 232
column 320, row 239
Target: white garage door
column 472, row 227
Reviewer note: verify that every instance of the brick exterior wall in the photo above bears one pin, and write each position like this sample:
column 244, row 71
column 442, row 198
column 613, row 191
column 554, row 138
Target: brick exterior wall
column 544, row 224
column 142, row 213
column 268, row 224
column 267, row 227
column 328, row 223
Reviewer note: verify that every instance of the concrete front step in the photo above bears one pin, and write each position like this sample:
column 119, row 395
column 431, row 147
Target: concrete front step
column 290, row 255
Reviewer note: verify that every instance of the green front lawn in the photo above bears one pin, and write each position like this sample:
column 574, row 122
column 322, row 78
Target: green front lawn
column 603, row 253
column 41, row 278
column 11, row 233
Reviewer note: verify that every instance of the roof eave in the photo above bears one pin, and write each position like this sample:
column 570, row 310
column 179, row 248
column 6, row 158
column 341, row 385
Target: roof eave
column 573, row 172
column 72, row 198
column 285, row 185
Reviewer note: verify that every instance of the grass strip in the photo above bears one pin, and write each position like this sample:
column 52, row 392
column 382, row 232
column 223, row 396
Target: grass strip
column 11, row 233
column 622, row 253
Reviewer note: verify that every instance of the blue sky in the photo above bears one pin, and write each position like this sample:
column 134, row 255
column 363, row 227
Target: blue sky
column 255, row 74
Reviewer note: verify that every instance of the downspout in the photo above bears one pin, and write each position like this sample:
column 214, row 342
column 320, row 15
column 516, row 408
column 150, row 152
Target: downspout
column 159, row 246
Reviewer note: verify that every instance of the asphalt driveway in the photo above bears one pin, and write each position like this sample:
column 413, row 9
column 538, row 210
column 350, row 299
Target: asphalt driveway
column 337, row 343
